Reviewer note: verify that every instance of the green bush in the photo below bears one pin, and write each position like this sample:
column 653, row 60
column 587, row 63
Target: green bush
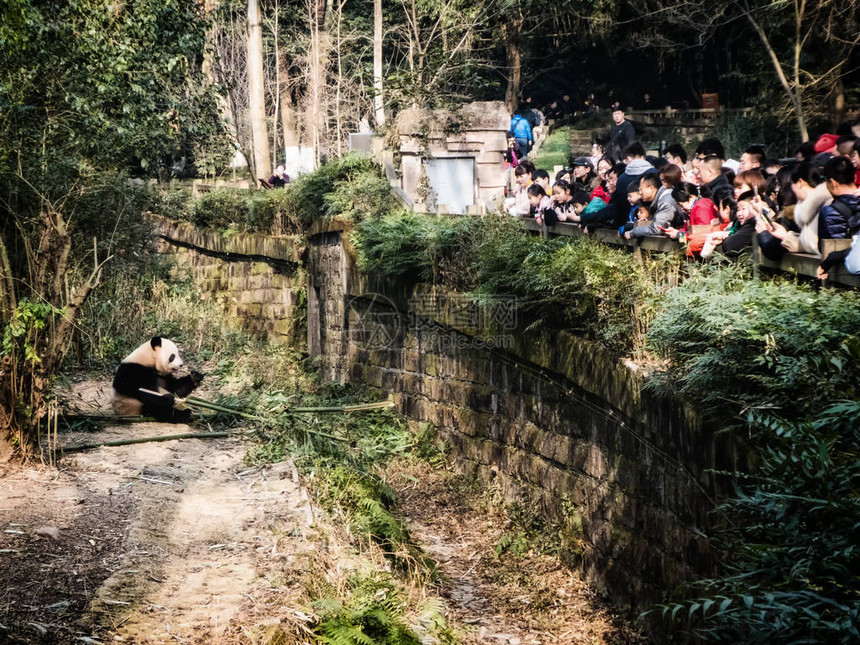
column 792, row 540
column 598, row 289
column 394, row 246
column 360, row 195
column 763, row 343
column 375, row 612
column 579, row 284
column 503, row 253
column 272, row 211
column 222, row 208
column 175, row 203
column 352, row 186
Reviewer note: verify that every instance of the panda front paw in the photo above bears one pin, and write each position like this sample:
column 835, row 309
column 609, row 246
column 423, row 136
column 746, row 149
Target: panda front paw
column 196, row 377
column 180, row 416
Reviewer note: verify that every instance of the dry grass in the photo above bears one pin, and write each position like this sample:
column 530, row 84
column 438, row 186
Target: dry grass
column 533, row 598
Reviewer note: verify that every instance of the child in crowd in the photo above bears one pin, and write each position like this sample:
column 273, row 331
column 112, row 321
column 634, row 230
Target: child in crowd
column 514, row 152
column 637, row 210
column 579, row 202
column 541, row 205
column 700, row 210
column 561, row 197
column 541, row 178
column 725, row 208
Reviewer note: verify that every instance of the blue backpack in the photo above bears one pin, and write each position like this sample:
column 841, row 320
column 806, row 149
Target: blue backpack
column 520, row 127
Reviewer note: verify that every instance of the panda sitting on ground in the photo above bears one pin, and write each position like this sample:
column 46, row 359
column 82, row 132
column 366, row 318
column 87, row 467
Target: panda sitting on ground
column 146, row 383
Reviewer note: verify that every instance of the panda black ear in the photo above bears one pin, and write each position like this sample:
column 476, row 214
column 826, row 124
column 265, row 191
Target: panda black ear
column 155, row 342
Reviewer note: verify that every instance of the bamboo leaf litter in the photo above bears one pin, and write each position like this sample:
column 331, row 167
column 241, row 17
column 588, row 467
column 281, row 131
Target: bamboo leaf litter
column 209, row 405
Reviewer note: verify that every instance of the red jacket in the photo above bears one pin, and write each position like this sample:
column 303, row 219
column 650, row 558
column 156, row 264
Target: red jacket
column 600, row 191
column 703, row 212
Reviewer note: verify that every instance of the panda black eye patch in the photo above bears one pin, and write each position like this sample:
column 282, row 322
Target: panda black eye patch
column 172, row 356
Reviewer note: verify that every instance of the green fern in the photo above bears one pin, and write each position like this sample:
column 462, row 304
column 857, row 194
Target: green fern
column 791, row 575
column 373, row 613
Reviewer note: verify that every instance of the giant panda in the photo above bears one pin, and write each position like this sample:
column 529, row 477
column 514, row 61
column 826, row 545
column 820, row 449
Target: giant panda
column 153, row 366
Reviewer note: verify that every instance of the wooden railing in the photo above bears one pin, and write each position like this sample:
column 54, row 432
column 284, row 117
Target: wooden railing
column 671, row 115
column 793, row 263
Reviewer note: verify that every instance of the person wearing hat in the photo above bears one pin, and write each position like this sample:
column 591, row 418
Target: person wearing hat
column 584, row 176
column 826, row 143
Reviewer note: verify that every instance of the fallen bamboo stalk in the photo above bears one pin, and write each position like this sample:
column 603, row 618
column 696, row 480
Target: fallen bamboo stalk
column 112, row 418
column 193, row 401
column 202, row 403
column 347, row 408
column 166, row 437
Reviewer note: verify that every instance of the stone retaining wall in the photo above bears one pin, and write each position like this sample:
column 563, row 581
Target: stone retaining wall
column 256, row 279
column 550, row 416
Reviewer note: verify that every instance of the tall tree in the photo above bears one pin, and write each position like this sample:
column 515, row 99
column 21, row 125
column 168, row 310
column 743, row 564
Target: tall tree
column 379, row 105
column 89, row 89
column 256, row 93
column 809, row 43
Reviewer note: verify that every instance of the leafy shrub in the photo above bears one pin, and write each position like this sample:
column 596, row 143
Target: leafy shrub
column 352, row 185
column 792, row 541
column 503, row 253
column 597, row 289
column 220, row 209
column 271, row 211
column 175, row 203
column 394, row 246
column 359, row 195
column 762, row 343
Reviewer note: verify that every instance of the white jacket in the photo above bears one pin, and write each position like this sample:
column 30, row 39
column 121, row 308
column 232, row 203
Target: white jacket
column 806, row 217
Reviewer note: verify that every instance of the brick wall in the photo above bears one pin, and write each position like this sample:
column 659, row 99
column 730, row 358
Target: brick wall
column 256, row 279
column 548, row 415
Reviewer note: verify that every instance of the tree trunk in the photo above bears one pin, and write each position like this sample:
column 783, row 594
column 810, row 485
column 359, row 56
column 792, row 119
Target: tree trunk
column 795, row 93
column 256, row 96
column 378, row 104
column 316, row 77
column 837, row 105
column 7, row 284
column 278, row 155
column 511, row 31
column 288, row 115
column 338, row 118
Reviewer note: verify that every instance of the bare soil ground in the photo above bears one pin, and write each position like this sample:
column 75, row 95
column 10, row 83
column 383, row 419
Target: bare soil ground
column 182, row 542
column 147, row 543
column 506, row 600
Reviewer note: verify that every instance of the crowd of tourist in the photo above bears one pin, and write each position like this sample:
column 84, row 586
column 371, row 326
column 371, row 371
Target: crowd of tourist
column 709, row 202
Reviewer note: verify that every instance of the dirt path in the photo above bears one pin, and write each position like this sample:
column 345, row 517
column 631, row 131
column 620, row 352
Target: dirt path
column 530, row 600
column 182, row 542
column 149, row 543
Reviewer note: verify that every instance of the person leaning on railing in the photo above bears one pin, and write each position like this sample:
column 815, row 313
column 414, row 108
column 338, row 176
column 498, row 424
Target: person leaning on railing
column 841, row 218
